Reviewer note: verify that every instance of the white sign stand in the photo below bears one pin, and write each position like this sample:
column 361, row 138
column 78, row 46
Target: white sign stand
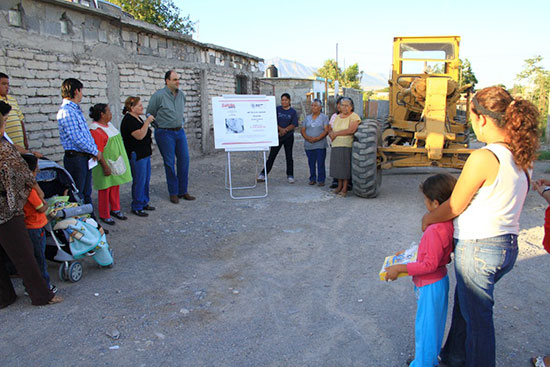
column 228, row 177
column 244, row 123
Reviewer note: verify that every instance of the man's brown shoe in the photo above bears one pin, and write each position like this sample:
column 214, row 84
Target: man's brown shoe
column 174, row 199
column 186, row 197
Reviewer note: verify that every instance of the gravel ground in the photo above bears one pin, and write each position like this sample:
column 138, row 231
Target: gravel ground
column 288, row 280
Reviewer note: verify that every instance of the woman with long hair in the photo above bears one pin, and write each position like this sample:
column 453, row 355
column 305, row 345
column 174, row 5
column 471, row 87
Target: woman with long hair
column 486, row 204
column 136, row 134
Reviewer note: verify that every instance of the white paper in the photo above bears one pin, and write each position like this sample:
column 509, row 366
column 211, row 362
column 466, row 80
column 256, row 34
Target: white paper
column 244, row 122
column 92, row 163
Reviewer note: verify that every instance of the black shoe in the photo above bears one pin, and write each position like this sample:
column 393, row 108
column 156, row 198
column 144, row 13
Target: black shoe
column 109, row 221
column 119, row 215
column 140, row 213
column 148, row 207
column 333, row 185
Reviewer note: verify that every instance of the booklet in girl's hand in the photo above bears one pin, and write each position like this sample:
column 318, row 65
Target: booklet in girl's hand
column 407, row 256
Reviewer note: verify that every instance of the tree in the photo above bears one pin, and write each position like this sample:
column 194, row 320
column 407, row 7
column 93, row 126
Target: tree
column 330, row 70
column 349, row 78
column 163, row 13
column 538, row 85
column 467, row 76
column 538, row 81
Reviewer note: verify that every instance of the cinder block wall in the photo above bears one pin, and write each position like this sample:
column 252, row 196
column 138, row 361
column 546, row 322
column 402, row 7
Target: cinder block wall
column 115, row 56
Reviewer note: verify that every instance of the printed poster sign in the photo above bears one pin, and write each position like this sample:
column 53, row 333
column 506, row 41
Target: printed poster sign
column 244, row 122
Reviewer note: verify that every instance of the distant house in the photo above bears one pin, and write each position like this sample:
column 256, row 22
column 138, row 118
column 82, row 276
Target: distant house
column 298, row 88
column 303, row 90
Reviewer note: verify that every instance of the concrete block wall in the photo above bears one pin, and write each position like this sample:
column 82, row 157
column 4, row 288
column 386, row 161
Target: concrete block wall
column 115, row 57
column 357, row 97
column 35, row 81
column 142, row 81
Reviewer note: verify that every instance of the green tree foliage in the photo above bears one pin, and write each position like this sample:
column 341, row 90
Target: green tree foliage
column 466, row 73
column 535, row 85
column 163, row 13
column 537, row 81
column 330, row 70
column 349, row 78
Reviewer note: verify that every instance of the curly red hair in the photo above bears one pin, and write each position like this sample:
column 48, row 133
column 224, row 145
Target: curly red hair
column 520, row 121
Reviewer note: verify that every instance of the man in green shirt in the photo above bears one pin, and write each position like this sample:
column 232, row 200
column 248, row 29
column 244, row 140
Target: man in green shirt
column 167, row 106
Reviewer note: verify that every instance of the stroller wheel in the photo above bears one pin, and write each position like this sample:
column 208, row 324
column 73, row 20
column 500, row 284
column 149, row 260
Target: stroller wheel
column 63, row 271
column 75, row 272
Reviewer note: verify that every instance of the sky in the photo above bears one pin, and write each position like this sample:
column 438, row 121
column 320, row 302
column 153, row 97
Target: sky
column 496, row 36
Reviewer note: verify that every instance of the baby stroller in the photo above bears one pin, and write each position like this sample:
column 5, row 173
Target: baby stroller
column 73, row 234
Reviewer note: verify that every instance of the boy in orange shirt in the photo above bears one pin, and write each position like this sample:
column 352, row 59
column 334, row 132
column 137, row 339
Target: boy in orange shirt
column 35, row 220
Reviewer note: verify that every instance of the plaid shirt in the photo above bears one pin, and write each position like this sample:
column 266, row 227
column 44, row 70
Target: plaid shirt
column 73, row 129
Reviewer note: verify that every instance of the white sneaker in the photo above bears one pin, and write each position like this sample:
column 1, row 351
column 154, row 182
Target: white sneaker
column 261, row 178
column 290, row 179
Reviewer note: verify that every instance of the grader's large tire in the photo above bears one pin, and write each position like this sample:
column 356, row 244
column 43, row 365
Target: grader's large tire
column 366, row 175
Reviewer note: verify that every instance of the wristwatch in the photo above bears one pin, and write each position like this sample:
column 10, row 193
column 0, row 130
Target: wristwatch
column 547, row 188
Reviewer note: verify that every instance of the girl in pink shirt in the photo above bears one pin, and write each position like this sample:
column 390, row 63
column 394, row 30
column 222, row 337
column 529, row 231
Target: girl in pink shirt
column 429, row 274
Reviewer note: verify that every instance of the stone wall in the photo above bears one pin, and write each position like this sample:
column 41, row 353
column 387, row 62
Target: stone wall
column 357, row 97
column 115, row 56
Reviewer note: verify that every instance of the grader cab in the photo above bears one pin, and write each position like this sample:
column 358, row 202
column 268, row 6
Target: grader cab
column 422, row 128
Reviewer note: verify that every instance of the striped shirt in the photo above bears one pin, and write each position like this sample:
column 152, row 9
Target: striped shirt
column 14, row 121
column 73, row 129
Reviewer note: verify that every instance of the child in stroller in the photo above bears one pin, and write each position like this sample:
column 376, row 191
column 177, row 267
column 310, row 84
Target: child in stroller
column 73, row 233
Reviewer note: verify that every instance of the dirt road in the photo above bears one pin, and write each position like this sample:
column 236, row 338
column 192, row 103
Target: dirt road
column 289, row 280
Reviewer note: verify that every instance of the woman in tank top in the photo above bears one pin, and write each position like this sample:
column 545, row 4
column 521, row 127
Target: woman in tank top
column 486, row 204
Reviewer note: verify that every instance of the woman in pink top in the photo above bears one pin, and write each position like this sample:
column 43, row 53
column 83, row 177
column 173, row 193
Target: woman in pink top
column 429, row 274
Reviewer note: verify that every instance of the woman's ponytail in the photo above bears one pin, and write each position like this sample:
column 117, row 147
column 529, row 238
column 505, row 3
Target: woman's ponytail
column 521, row 123
column 518, row 117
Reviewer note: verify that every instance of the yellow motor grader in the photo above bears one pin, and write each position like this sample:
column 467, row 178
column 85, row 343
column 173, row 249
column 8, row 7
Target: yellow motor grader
column 422, row 128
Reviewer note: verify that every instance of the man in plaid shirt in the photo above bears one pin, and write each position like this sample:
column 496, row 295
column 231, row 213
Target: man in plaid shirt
column 76, row 138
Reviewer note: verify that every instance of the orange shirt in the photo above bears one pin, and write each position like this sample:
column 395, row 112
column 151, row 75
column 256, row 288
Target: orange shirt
column 100, row 138
column 34, row 219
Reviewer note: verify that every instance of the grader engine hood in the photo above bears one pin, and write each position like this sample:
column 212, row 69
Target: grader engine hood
column 423, row 128
column 435, row 97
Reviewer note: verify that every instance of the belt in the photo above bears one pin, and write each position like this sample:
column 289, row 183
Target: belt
column 72, row 153
column 171, row 128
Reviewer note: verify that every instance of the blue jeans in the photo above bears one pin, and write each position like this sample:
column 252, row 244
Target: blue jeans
column 77, row 166
column 316, row 159
column 172, row 146
column 38, row 239
column 479, row 264
column 429, row 327
column 141, row 175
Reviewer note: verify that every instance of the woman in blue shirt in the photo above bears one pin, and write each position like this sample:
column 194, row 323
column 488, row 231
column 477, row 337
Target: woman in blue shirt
column 287, row 121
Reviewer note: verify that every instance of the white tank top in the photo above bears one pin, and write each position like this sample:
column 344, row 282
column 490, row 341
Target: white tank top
column 495, row 209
